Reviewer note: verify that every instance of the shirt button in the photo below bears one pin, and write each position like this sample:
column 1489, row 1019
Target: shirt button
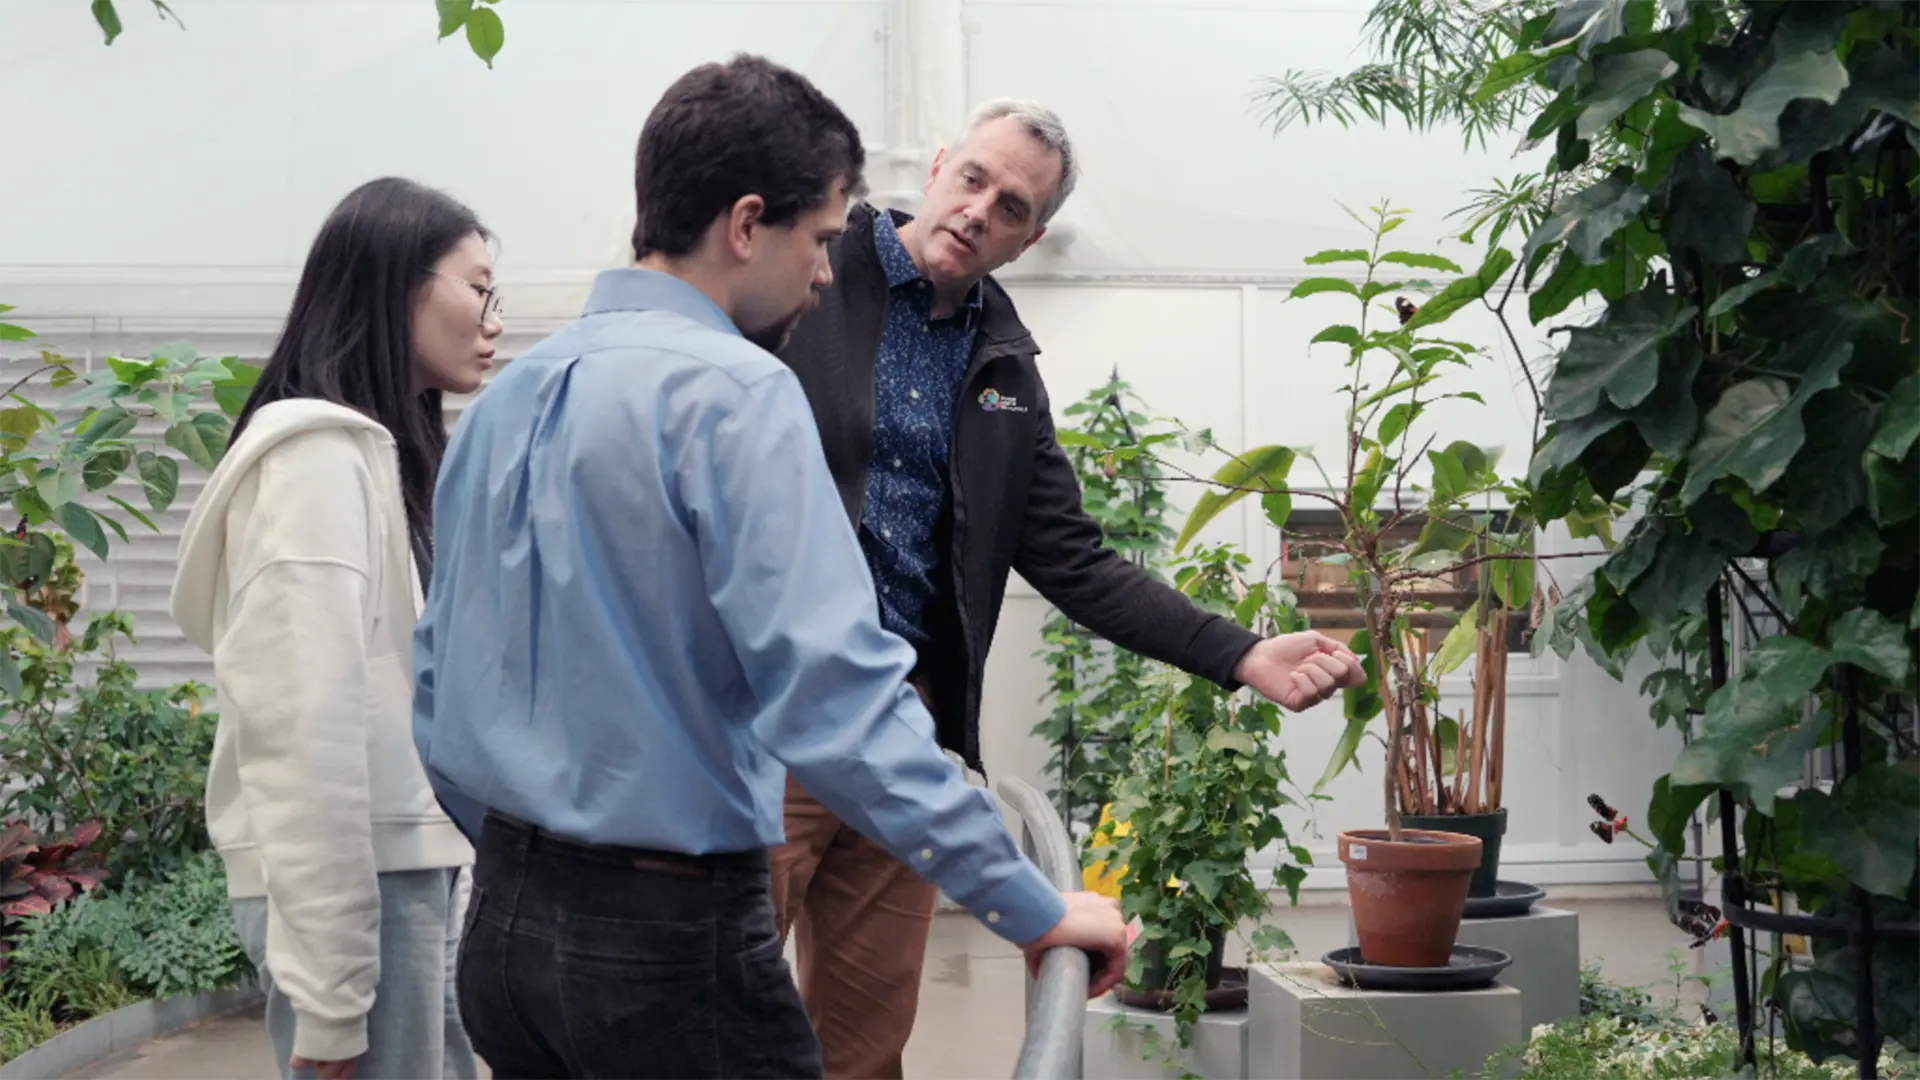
column 926, row 854
column 896, row 463
column 887, row 533
column 914, row 394
column 993, row 917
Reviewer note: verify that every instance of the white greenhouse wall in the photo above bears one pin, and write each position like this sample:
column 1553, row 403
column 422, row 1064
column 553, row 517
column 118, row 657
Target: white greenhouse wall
column 166, row 188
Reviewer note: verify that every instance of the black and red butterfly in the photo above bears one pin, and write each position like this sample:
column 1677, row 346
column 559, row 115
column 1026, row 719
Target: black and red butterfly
column 1405, row 308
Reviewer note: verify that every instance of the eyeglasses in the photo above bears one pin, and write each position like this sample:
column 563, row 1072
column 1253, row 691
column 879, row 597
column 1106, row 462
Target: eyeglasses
column 490, row 305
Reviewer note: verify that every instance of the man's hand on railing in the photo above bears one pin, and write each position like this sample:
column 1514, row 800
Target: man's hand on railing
column 1092, row 923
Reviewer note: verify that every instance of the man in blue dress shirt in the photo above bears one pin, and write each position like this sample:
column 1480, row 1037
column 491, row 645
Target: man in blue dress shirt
column 646, row 598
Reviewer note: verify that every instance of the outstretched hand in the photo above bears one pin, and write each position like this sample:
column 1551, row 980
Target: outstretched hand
column 1299, row 671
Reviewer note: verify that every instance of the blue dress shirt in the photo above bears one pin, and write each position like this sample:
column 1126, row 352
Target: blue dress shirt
column 917, row 375
column 646, row 597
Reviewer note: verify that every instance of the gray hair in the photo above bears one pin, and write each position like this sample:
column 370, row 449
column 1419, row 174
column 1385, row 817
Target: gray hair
column 1043, row 124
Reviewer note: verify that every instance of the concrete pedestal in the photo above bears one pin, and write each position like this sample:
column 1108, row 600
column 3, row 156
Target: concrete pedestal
column 1118, row 1052
column 1303, row 1023
column 1545, row 946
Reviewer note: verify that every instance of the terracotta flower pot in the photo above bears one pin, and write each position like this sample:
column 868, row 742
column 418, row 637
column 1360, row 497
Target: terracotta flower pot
column 1407, row 896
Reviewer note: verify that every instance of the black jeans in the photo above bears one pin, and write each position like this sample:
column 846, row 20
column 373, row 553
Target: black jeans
column 588, row 961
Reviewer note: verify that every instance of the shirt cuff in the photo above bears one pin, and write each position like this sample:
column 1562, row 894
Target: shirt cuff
column 1023, row 908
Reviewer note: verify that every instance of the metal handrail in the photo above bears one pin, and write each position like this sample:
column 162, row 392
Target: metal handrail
column 1057, row 1000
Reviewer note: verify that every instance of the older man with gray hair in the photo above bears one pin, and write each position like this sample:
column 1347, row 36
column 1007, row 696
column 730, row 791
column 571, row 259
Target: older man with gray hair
column 937, row 429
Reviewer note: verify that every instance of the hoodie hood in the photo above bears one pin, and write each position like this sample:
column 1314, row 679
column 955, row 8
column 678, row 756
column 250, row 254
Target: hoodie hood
column 203, row 546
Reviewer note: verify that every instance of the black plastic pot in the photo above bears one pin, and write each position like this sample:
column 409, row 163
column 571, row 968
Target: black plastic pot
column 1488, row 827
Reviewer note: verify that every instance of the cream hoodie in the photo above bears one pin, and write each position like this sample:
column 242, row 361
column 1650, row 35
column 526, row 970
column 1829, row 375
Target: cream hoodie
column 297, row 576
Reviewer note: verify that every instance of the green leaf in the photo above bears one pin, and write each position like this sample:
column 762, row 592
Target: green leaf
column 137, row 515
column 10, row 684
column 1339, row 256
column 1867, row 639
column 1394, row 424
column 1755, row 429
column 1510, row 71
column 1671, row 808
column 1265, row 467
column 1340, row 333
column 486, row 34
column 1512, row 581
column 1463, row 291
column 231, row 393
column 1450, row 479
column 1899, row 421
column 1688, row 557
column 1706, row 211
column 1869, row 827
column 1322, row 285
column 1754, row 736
column 1754, row 128
column 109, row 20
column 1459, row 643
column 10, row 332
column 203, row 438
column 1422, row 261
column 79, row 523
column 1587, row 219
column 1589, row 23
column 1571, row 279
column 112, row 422
column 1620, row 80
column 1360, row 705
column 1833, row 565
column 1278, row 507
column 105, row 467
column 20, row 424
column 60, row 486
column 160, row 479
column 453, row 15
column 1619, row 358
column 1238, row 742
column 37, row 622
column 1800, row 267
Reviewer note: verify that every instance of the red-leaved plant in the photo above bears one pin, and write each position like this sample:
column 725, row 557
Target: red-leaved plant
column 35, row 878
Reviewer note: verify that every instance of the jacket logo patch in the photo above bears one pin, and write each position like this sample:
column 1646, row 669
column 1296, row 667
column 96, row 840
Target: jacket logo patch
column 991, row 401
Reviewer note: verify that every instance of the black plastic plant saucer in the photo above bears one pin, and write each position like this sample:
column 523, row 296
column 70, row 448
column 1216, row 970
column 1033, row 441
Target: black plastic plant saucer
column 1470, row 968
column 1230, row 994
column 1510, row 898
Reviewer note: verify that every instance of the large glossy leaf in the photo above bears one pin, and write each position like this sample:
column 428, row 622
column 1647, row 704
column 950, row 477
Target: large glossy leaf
column 1463, row 291
column 1690, row 557
column 453, row 15
column 1570, row 439
column 1263, row 468
column 1867, row 639
column 1620, row 80
column 1800, row 267
column 486, row 34
column 1755, row 732
column 108, row 17
column 1899, row 420
column 1869, row 827
column 1755, row 429
column 1587, row 219
column 1826, row 480
column 1670, row 809
column 1619, row 358
column 1590, row 23
column 1754, row 128
column 1832, row 565
column 37, row 622
column 1706, row 210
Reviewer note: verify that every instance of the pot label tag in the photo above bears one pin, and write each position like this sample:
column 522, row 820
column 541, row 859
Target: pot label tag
column 1356, row 852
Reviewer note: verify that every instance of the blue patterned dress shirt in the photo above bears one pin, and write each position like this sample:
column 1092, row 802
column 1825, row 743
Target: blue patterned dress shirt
column 917, row 376
column 647, row 599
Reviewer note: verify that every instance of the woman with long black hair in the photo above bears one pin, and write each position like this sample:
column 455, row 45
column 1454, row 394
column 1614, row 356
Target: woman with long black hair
column 302, row 571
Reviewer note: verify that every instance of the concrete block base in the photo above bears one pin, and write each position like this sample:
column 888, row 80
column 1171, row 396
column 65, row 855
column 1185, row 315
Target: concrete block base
column 1112, row 1047
column 1303, row 1023
column 1545, row 946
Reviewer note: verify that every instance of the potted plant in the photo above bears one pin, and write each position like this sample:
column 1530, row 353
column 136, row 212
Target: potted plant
column 1203, row 792
column 1396, row 544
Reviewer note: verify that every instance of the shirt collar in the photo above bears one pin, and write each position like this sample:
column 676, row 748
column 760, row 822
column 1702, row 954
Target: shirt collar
column 650, row 290
column 898, row 264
